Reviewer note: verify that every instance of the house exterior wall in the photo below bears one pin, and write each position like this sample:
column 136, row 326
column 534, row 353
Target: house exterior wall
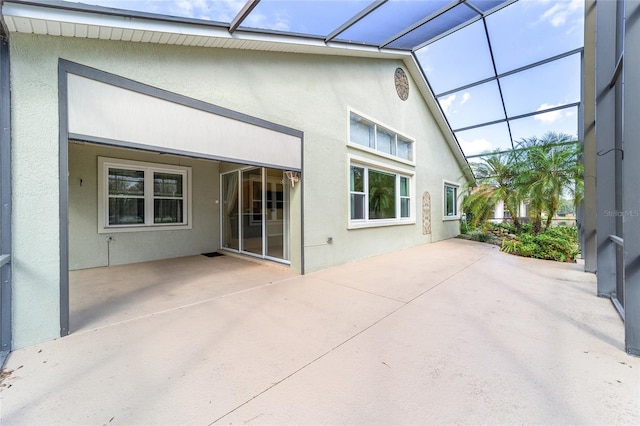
column 311, row 93
column 90, row 249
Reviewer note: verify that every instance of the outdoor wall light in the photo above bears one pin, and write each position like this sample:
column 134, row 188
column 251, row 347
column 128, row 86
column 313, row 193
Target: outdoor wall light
column 294, row 177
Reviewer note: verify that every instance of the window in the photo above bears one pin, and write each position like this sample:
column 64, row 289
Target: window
column 378, row 196
column 142, row 195
column 450, row 200
column 168, row 197
column 405, row 198
column 506, row 213
column 366, row 133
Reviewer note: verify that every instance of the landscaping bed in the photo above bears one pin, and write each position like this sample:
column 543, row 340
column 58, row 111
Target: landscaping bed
column 558, row 243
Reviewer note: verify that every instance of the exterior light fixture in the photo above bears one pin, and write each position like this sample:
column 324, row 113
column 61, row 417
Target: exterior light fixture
column 293, row 177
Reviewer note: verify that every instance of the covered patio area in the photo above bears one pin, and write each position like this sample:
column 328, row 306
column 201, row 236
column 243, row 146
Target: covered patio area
column 105, row 296
column 453, row 332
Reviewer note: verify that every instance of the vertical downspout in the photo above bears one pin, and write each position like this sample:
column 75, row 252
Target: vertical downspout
column 5, row 196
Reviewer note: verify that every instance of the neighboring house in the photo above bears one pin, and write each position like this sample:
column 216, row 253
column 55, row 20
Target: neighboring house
column 135, row 139
column 500, row 213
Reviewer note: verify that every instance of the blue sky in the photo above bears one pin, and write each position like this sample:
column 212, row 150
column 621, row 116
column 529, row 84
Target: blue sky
column 522, row 33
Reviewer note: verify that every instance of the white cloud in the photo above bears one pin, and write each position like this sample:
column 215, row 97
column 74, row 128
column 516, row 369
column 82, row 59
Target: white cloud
column 465, row 97
column 281, row 22
column 213, row 10
column 185, row 7
column 548, row 117
column 558, row 14
column 278, row 20
column 447, row 102
column 476, row 146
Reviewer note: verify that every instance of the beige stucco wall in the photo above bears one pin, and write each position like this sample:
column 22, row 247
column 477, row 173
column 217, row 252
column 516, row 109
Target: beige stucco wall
column 304, row 92
column 90, row 249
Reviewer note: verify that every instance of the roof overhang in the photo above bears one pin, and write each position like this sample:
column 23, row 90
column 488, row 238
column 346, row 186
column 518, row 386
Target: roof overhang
column 68, row 20
column 57, row 19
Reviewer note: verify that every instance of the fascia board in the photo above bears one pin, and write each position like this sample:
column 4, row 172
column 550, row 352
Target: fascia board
column 44, row 13
column 240, row 39
column 427, row 94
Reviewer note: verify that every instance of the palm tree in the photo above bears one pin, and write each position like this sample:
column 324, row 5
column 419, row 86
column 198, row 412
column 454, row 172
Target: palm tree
column 381, row 195
column 497, row 178
column 548, row 168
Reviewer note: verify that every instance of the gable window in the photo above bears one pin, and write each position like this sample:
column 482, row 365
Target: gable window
column 142, row 196
column 450, row 201
column 372, row 136
column 378, row 197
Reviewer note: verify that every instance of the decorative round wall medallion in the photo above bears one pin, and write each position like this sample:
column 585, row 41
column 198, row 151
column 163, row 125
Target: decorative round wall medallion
column 402, row 84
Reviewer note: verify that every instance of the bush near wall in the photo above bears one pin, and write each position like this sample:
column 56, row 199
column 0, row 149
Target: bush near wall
column 558, row 243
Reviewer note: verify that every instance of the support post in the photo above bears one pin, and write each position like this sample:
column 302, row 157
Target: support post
column 5, row 202
column 605, row 147
column 631, row 176
column 588, row 209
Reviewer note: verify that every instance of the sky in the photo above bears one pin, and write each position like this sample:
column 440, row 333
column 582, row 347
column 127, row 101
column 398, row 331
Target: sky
column 523, row 33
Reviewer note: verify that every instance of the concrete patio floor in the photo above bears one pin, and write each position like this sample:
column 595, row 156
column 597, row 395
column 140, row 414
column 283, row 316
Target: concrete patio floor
column 453, row 332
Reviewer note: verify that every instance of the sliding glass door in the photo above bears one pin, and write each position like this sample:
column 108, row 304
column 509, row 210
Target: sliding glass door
column 230, row 234
column 255, row 213
column 252, row 211
column 277, row 215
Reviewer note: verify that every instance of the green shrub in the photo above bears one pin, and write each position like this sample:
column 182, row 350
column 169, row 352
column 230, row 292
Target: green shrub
column 570, row 232
column 465, row 228
column 480, row 236
column 553, row 248
column 557, row 243
column 509, row 246
column 511, row 229
column 526, row 228
column 528, row 250
column 526, row 239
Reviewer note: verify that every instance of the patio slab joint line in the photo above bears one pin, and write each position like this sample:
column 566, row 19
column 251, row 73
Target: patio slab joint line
column 404, row 302
column 347, row 340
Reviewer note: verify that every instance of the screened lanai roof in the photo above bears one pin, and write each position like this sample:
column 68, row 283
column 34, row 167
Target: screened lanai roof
column 501, row 70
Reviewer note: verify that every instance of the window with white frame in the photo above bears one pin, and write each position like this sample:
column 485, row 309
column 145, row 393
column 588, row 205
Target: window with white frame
column 142, row 195
column 450, row 200
column 378, row 196
column 506, row 213
column 368, row 134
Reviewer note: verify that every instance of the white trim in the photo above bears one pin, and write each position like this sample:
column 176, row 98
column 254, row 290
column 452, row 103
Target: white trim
column 414, row 68
column 152, row 28
column 455, row 185
column 380, row 223
column 373, row 120
column 263, row 173
column 380, row 154
column 104, row 228
column 383, row 167
column 373, row 151
column 380, row 165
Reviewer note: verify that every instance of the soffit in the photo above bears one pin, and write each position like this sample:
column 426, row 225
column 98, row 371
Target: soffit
column 492, row 71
